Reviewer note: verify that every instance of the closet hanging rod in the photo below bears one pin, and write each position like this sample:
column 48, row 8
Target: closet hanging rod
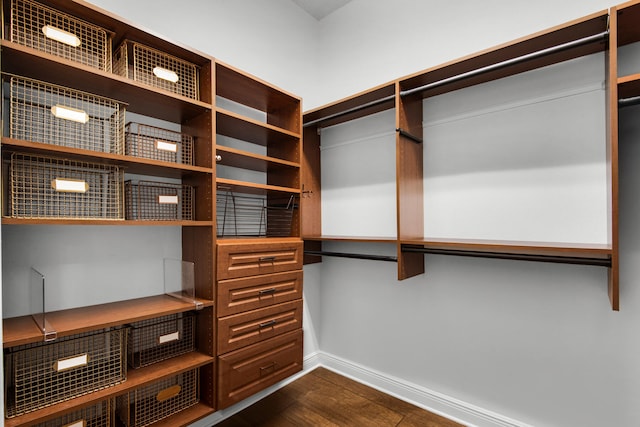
column 352, row 255
column 627, row 102
column 533, row 55
column 512, row 256
column 350, row 110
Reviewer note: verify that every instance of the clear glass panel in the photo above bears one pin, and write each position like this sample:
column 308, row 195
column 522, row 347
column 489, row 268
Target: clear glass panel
column 179, row 280
column 37, row 294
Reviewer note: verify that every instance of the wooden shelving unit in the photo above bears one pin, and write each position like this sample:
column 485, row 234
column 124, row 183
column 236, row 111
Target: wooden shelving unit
column 574, row 39
column 195, row 117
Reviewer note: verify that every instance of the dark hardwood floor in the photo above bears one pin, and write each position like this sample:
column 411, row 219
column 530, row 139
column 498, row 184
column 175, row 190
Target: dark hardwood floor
column 323, row 398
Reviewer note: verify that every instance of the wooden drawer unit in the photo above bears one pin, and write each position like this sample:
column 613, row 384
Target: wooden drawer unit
column 238, row 295
column 244, row 372
column 251, row 258
column 243, row 329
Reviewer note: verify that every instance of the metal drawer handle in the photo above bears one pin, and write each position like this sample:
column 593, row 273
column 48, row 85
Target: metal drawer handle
column 267, row 258
column 267, row 324
column 267, row 291
column 270, row 366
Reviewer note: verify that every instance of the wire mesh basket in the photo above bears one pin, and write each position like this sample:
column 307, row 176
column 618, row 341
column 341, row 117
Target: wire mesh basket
column 241, row 215
column 153, row 340
column 155, row 143
column 151, row 200
column 159, row 400
column 40, row 27
column 49, row 187
column 158, row 69
column 42, row 374
column 101, row 414
column 56, row 115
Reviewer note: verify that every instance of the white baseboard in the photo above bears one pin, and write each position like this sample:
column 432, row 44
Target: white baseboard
column 438, row 403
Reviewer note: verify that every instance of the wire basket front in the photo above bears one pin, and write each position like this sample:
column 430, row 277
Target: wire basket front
column 49, row 187
column 149, row 404
column 158, row 69
column 42, row 374
column 159, row 201
column 240, row 215
column 162, row 338
column 155, row 143
column 101, row 414
column 57, row 115
column 43, row 28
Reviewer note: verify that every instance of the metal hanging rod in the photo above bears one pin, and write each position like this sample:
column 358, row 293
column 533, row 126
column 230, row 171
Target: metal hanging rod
column 518, row 257
column 409, row 135
column 352, row 255
column 508, row 62
column 627, row 102
column 350, row 110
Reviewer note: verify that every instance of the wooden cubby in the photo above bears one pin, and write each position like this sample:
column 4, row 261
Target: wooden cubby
column 574, row 39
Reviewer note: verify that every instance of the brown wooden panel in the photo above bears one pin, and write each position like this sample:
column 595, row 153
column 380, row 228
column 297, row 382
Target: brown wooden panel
column 238, row 295
column 247, row 371
column 628, row 17
column 311, row 196
column 612, row 151
column 240, row 330
column 240, row 259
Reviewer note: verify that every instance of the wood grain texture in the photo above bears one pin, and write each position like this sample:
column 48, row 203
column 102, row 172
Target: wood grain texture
column 324, row 398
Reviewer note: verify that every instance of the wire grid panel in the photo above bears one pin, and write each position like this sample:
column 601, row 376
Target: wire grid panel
column 242, row 215
column 101, row 414
column 49, row 187
column 42, row 374
column 159, row 400
column 153, row 340
column 158, row 69
column 155, row 143
column 30, row 20
column 52, row 114
column 151, row 200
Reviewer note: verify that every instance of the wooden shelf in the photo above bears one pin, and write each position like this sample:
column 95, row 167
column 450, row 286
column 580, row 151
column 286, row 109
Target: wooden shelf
column 598, row 254
column 239, row 127
column 588, row 26
column 135, row 378
column 138, row 223
column 136, row 165
column 363, row 239
column 282, row 108
column 139, row 98
column 23, row 330
column 247, row 160
column 628, row 18
column 253, row 188
column 629, row 86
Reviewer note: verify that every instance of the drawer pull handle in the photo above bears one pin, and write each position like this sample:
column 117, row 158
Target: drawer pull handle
column 267, row 258
column 267, row 291
column 271, row 366
column 267, row 324
column 174, row 336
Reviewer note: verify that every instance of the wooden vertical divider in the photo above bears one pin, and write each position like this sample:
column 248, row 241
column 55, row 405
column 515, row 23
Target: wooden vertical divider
column 409, row 185
column 310, row 196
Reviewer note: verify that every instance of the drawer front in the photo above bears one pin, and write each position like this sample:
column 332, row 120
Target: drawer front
column 247, row 371
column 248, row 328
column 252, row 259
column 239, row 295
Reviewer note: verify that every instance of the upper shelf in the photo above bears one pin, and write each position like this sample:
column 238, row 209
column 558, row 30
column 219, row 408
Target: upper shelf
column 236, row 126
column 141, row 99
column 577, row 38
column 282, row 108
column 628, row 19
column 629, row 86
column 23, row 330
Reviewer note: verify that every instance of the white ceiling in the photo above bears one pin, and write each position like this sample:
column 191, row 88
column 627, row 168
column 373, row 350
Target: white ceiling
column 320, row 8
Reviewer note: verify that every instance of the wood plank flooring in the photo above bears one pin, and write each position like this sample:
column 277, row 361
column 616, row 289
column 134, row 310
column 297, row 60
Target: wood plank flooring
column 323, row 398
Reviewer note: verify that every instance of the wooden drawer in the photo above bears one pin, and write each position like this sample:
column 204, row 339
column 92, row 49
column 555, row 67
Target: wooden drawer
column 247, row 371
column 243, row 329
column 255, row 258
column 238, row 295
